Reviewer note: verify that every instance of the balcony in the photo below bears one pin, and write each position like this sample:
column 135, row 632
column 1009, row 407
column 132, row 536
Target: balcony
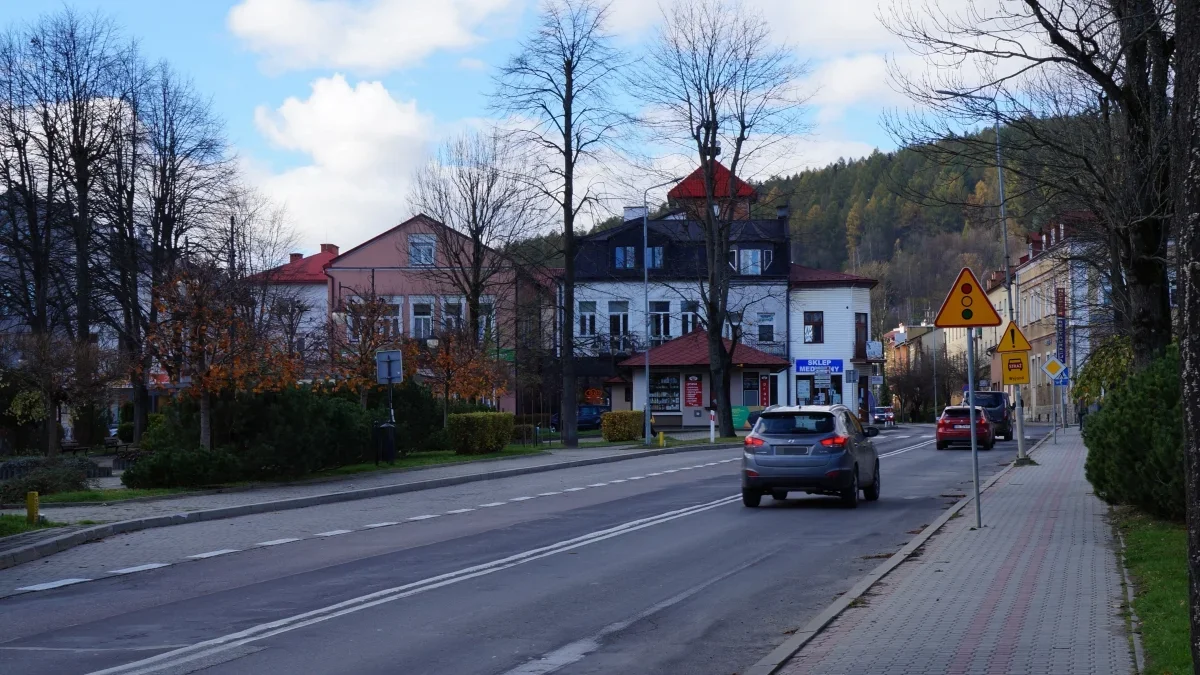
column 772, row 347
column 604, row 344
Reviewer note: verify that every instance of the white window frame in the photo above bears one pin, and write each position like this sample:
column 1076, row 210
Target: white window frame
column 618, row 339
column 487, row 320
column 415, row 240
column 660, row 324
column 628, row 257
column 689, row 320
column 412, row 314
column 587, row 320
column 462, row 312
column 655, row 256
column 766, row 322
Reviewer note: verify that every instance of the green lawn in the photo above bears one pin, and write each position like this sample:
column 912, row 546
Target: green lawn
column 427, row 458
column 1156, row 553
column 10, row 525
column 108, row 495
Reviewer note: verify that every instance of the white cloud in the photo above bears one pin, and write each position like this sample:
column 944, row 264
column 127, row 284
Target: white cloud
column 363, row 147
column 374, row 37
column 468, row 63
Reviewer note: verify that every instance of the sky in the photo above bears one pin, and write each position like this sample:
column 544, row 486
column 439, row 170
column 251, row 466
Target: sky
column 330, row 105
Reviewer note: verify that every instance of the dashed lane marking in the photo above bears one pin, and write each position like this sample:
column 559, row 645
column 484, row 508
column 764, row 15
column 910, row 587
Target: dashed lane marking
column 331, row 533
column 213, row 554
column 52, row 584
column 455, row 511
column 139, row 568
column 375, row 525
column 276, row 542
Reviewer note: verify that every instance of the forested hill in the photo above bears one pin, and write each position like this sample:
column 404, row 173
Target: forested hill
column 898, row 217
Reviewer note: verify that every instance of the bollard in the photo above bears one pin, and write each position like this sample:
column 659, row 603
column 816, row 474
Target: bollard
column 31, row 508
column 662, row 440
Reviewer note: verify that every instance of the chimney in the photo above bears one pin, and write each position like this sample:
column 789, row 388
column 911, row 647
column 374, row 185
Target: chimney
column 296, row 257
column 781, row 212
column 634, row 213
column 329, row 248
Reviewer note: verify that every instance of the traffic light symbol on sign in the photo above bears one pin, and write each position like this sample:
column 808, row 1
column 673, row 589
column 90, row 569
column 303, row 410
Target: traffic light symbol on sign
column 966, row 305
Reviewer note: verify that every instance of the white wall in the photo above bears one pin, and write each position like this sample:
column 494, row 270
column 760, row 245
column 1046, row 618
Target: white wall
column 839, row 306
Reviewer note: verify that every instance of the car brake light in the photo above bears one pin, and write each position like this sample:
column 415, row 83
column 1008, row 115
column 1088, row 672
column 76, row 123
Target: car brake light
column 834, row 442
column 751, row 473
column 753, row 441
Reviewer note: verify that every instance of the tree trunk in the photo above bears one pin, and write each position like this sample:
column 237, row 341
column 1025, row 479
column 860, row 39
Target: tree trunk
column 52, row 441
column 568, row 414
column 206, row 421
column 1186, row 171
column 141, row 407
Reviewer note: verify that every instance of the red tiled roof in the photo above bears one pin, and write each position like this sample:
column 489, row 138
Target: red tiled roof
column 309, row 270
column 811, row 276
column 692, row 187
column 692, row 350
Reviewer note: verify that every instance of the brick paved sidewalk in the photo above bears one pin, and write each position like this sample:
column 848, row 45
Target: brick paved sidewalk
column 1036, row 591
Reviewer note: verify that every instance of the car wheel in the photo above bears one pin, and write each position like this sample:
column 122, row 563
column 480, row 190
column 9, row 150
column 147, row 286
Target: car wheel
column 871, row 492
column 940, row 445
column 751, row 499
column 1008, row 436
column 991, row 444
column 850, row 494
column 779, row 495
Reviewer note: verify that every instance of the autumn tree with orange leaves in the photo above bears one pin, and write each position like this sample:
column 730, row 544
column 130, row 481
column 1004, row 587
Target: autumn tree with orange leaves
column 364, row 323
column 209, row 347
column 458, row 366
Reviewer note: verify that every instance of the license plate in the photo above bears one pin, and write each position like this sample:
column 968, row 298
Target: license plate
column 962, row 426
column 792, row 449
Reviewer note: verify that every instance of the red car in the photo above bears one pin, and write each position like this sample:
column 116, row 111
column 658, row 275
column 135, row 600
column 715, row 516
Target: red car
column 954, row 426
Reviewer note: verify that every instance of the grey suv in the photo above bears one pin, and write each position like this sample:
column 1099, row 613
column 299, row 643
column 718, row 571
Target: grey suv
column 816, row 449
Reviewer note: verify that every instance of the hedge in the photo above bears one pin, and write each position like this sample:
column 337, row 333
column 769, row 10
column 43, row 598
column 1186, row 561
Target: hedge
column 479, row 432
column 1135, row 441
column 183, row 468
column 622, row 425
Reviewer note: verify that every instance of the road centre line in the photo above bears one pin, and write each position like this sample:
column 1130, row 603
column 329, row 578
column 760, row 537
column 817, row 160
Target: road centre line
column 276, row 542
column 332, row 533
column 52, row 584
column 213, row 554
column 457, row 511
column 904, row 450
column 139, row 568
column 260, row 632
column 424, row 517
column 383, row 524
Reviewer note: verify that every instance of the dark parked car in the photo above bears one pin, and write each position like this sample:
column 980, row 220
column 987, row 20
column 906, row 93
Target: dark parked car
column 816, row 449
column 587, row 417
column 954, row 426
column 999, row 411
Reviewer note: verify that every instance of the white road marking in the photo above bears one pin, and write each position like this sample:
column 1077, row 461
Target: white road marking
column 425, row 517
column 459, row 511
column 375, row 525
column 331, row 533
column 671, row 471
column 574, row 489
column 636, row 477
column 598, row 484
column 201, row 650
column 656, row 473
column 139, row 568
column 490, row 505
column 276, row 542
column 213, row 554
column 619, row 480
column 901, row 451
column 520, row 499
column 548, row 494
column 52, row 584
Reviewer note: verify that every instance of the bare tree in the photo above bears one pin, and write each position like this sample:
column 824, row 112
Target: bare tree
column 560, row 87
column 1082, row 89
column 473, row 187
column 715, row 80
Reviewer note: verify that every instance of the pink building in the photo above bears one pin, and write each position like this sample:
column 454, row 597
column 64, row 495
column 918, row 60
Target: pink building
column 414, row 266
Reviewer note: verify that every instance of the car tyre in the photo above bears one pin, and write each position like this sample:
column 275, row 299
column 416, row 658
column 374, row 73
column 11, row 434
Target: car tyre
column 1008, row 436
column 871, row 492
column 751, row 498
column 779, row 495
column 850, row 494
column 991, row 444
column 940, row 445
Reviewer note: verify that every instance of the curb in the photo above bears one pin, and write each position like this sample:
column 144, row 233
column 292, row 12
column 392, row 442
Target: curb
column 771, row 663
column 1134, row 623
column 54, row 545
column 265, row 484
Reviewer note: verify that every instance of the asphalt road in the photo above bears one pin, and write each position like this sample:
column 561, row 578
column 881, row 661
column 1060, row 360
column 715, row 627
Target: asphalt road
column 653, row 567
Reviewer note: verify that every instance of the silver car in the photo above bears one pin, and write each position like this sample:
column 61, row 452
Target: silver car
column 818, row 449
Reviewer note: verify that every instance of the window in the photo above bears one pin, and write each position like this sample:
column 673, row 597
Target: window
column 766, row 327
column 814, row 328
column 391, row 317
column 860, row 329
column 421, row 250
column 625, row 257
column 664, row 392
column 452, row 314
column 587, row 318
column 749, row 388
column 359, row 313
column 618, row 325
column 422, row 319
column 691, row 317
column 660, row 323
column 655, row 254
column 487, row 318
column 852, row 424
column 751, row 261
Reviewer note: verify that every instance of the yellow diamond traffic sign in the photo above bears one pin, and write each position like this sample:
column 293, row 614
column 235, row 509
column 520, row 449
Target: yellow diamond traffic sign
column 1053, row 367
column 1013, row 340
column 966, row 306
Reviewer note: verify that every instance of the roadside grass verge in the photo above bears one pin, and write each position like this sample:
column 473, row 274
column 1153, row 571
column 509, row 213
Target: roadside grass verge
column 12, row 524
column 425, row 459
column 1156, row 553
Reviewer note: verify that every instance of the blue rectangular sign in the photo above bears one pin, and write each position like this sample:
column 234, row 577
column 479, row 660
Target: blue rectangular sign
column 811, row 365
column 1061, row 339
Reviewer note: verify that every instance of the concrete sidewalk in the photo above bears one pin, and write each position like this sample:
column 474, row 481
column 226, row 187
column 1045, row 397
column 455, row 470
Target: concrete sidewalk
column 1036, row 591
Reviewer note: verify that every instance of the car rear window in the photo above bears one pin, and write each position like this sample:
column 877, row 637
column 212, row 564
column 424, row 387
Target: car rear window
column 989, row 399
column 796, row 423
column 957, row 412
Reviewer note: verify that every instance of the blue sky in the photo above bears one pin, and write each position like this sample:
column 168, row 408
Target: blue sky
column 330, row 104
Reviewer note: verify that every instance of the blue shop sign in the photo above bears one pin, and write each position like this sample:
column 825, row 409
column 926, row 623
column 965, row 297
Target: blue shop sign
column 812, row 365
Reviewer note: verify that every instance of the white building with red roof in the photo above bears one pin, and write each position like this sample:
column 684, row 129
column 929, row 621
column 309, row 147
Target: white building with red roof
column 302, row 281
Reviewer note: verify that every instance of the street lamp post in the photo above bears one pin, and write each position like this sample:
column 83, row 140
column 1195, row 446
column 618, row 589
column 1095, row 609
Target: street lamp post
column 1021, row 456
column 646, row 294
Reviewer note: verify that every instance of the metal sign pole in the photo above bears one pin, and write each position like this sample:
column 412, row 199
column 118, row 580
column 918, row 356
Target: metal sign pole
column 1054, row 410
column 971, row 409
